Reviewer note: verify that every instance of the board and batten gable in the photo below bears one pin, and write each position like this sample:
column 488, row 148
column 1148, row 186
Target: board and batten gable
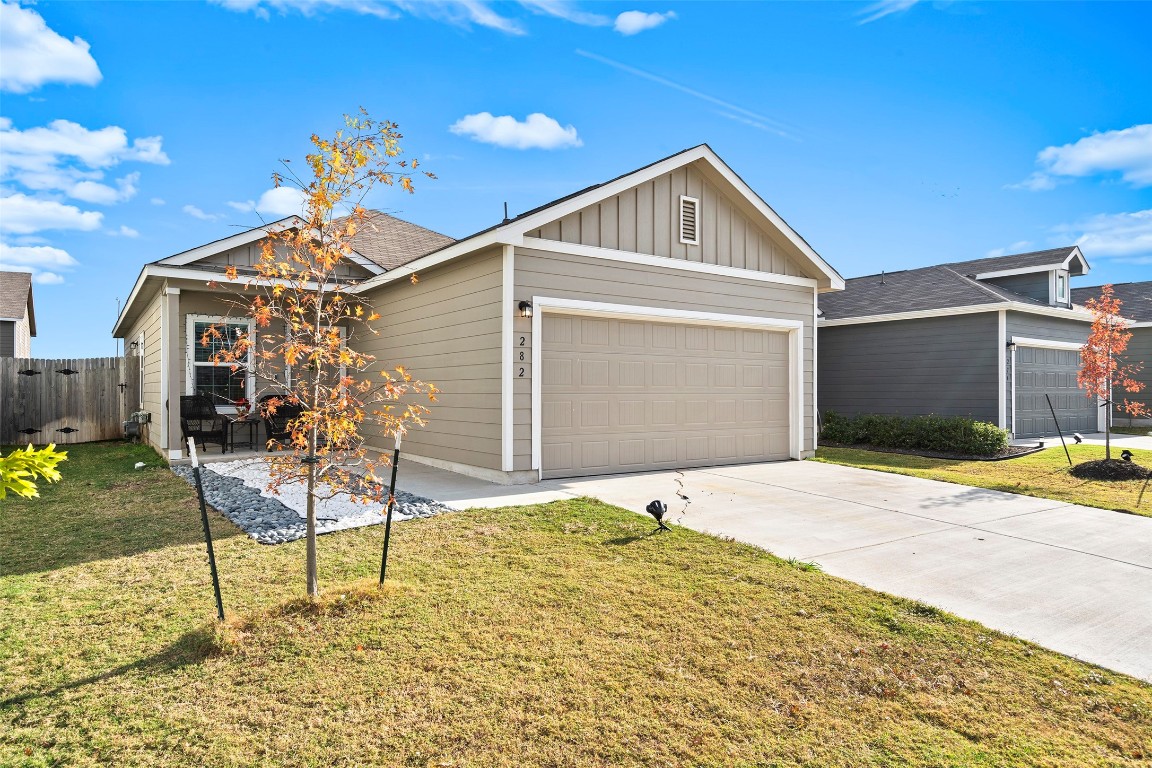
column 248, row 255
column 566, row 276
column 445, row 330
column 946, row 366
column 645, row 219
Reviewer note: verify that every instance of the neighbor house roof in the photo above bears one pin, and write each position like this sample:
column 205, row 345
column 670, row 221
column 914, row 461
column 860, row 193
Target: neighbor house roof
column 1136, row 299
column 16, row 298
column 941, row 287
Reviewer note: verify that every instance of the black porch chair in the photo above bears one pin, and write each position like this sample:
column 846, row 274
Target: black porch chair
column 276, row 424
column 200, row 421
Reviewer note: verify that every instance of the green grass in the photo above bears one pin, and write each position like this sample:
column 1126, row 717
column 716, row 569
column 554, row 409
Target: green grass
column 555, row 635
column 1044, row 474
column 1118, row 430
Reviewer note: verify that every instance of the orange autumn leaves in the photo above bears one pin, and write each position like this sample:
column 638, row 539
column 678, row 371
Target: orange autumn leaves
column 1102, row 364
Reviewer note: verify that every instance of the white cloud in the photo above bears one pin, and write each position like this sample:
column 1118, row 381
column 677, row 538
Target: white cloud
column 44, row 262
column 23, row 215
column 278, row 202
column 566, row 11
column 35, row 54
column 884, row 8
column 47, row 278
column 461, row 13
column 537, row 131
column 1020, row 246
column 102, row 194
column 36, row 256
column 1127, row 152
column 157, row 201
column 196, row 213
column 633, row 22
column 46, row 148
column 124, row 231
column 1112, row 235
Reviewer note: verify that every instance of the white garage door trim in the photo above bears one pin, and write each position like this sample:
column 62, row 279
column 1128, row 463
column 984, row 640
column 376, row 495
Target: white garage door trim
column 551, row 305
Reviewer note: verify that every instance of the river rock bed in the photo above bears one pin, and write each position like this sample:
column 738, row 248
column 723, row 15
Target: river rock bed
column 236, row 489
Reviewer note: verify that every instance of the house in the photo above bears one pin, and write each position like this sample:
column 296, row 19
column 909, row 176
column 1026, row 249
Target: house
column 988, row 339
column 1136, row 306
column 17, row 314
column 663, row 319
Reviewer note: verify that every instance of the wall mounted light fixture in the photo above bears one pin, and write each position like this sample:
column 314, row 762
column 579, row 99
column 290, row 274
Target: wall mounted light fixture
column 525, row 309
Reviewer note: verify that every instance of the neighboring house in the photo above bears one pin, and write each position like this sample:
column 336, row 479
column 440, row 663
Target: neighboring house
column 668, row 321
column 1136, row 305
column 17, row 315
column 987, row 338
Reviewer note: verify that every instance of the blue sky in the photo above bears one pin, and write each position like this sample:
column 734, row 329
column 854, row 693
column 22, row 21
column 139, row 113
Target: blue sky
column 890, row 135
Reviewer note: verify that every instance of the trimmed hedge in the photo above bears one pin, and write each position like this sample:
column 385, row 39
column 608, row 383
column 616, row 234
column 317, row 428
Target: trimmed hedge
column 941, row 434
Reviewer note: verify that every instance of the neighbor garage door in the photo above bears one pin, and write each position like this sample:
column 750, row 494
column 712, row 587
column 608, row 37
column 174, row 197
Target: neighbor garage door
column 627, row 395
column 1050, row 372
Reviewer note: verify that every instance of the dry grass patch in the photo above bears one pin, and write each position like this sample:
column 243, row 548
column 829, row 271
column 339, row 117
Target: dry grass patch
column 1045, row 474
column 553, row 635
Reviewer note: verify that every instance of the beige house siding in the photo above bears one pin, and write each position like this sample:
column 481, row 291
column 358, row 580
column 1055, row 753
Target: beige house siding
column 446, row 330
column 22, row 338
column 646, row 219
column 540, row 273
column 149, row 323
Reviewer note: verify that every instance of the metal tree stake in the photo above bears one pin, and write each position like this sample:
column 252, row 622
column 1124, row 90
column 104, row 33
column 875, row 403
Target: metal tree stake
column 388, row 514
column 207, row 530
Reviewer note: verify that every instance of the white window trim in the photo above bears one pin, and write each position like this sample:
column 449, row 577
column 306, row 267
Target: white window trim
column 551, row 305
column 696, row 210
column 190, row 363
column 1060, row 279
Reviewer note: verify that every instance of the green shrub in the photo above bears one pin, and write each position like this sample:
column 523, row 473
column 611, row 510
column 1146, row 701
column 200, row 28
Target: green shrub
column 944, row 434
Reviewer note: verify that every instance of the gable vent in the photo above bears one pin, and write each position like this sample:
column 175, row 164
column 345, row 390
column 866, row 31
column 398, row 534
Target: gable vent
column 689, row 220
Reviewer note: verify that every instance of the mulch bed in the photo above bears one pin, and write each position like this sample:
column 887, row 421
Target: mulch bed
column 1011, row 452
column 1110, row 469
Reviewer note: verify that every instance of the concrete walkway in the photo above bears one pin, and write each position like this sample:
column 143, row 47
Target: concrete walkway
column 1074, row 579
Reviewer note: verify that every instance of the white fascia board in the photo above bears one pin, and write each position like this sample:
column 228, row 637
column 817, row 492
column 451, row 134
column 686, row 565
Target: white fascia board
column 1145, row 324
column 513, row 232
column 496, row 237
column 1066, row 314
column 666, row 262
column 10, row 319
column 254, row 235
column 181, row 273
column 1076, row 254
column 1025, row 341
column 639, row 312
column 234, row 241
column 1019, row 271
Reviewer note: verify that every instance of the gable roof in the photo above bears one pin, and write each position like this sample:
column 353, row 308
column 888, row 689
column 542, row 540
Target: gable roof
column 512, row 231
column 1068, row 257
column 16, row 298
column 1136, row 298
column 941, row 287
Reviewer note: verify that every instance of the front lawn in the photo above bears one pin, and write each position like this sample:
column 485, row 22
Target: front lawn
column 555, row 635
column 1044, row 474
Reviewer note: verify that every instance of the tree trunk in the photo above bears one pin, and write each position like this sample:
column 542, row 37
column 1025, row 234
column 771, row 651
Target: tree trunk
column 310, row 535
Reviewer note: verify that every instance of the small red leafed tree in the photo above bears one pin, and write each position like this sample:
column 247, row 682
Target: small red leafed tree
column 304, row 317
column 1102, row 365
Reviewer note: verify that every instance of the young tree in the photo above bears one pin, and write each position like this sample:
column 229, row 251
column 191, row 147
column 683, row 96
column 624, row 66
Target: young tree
column 304, row 315
column 1102, row 367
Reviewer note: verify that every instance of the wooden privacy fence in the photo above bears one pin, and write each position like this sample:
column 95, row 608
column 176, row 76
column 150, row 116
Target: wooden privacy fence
column 66, row 401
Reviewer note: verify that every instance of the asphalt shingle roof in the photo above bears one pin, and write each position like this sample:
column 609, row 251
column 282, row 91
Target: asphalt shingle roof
column 1136, row 299
column 16, row 296
column 390, row 242
column 939, row 287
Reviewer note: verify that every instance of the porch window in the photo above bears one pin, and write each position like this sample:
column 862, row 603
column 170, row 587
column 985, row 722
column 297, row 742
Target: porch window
column 217, row 380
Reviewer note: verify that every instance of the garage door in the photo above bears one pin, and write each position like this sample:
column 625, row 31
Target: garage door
column 1050, row 372
column 626, row 396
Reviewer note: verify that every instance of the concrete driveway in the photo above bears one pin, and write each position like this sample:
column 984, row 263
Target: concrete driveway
column 1074, row 579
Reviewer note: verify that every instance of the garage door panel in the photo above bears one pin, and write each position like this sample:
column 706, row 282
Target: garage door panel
column 622, row 395
column 1052, row 372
